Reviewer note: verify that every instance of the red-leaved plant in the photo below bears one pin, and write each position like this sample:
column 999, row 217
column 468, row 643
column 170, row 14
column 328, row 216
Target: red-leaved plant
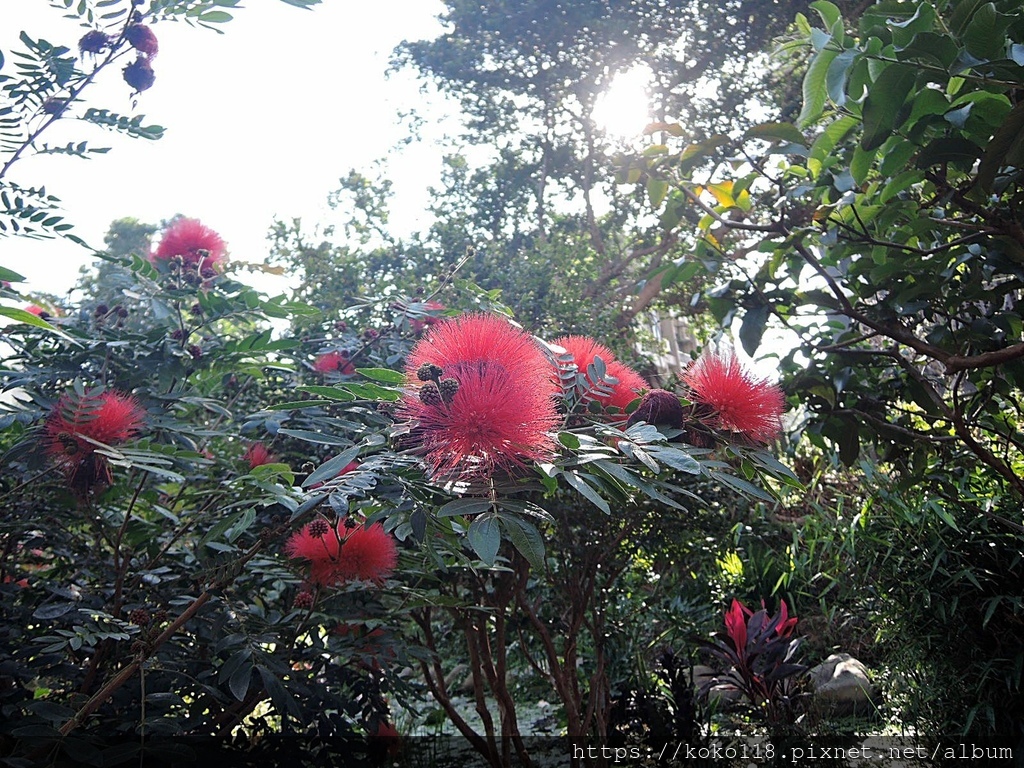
column 758, row 651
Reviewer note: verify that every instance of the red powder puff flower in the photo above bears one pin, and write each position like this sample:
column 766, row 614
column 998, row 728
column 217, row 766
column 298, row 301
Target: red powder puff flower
column 480, row 396
column 108, row 418
column 320, row 544
column 584, row 349
column 197, row 246
column 337, row 554
column 257, row 455
column 742, row 402
column 334, row 362
column 368, row 554
column 141, row 38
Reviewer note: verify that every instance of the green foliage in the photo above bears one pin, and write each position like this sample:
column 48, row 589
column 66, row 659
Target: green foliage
column 886, row 239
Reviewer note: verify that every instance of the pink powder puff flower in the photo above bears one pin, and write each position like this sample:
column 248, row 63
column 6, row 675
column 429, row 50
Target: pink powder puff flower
column 197, row 246
column 741, row 402
column 584, row 349
column 257, row 455
column 334, row 362
column 480, row 397
column 109, row 418
column 338, row 553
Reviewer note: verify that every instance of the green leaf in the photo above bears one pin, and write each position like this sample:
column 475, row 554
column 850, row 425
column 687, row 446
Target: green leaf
column 656, row 191
column 585, row 490
column 861, row 163
column 744, row 487
column 883, row 108
column 674, row 458
column 215, row 17
column 330, row 468
column 752, row 328
column 838, row 74
column 371, row 391
column 384, row 375
column 1007, row 140
column 333, row 393
column 569, row 440
column 284, row 702
column 829, row 13
column 25, row 317
column 467, row 506
column 9, row 274
column 985, row 36
column 815, row 87
column 485, row 537
column 525, row 538
column 313, row 437
column 786, row 132
column 239, row 681
column 960, row 152
column 826, row 142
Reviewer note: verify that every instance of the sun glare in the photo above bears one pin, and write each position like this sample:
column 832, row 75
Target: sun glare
column 623, row 109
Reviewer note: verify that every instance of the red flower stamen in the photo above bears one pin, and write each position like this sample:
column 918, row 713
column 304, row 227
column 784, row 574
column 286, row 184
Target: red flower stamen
column 741, row 402
column 197, row 246
column 496, row 412
column 583, row 350
column 345, row 554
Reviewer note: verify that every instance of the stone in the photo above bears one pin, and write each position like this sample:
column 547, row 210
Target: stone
column 841, row 687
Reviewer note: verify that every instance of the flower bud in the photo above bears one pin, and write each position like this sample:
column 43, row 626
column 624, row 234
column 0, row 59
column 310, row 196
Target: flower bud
column 94, row 41
column 139, row 75
column 142, row 39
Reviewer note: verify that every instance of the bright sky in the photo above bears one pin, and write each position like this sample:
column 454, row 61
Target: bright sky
column 261, row 121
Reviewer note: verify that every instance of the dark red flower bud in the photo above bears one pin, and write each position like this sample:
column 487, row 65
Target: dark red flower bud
column 54, row 106
column 142, row 39
column 429, row 372
column 139, row 75
column 430, row 394
column 659, row 407
column 94, row 41
column 448, row 388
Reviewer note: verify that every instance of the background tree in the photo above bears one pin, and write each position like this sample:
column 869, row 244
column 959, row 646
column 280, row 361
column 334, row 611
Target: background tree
column 882, row 231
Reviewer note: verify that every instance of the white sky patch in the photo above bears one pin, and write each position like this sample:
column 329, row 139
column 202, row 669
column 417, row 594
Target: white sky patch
column 261, row 122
